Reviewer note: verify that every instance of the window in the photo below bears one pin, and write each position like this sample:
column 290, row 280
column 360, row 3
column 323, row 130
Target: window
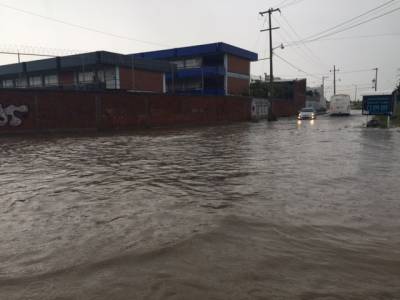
column 101, row 76
column 51, row 80
column 21, row 83
column 111, row 78
column 35, row 81
column 86, row 77
column 8, row 83
column 180, row 64
column 193, row 85
column 193, row 63
column 190, row 63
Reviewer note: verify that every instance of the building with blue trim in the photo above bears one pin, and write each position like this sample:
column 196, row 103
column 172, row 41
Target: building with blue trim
column 210, row 69
column 95, row 70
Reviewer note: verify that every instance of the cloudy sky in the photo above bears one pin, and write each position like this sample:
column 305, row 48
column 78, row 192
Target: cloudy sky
column 141, row 25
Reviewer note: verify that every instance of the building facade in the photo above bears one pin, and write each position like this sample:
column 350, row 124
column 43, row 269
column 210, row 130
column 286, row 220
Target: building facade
column 210, row 69
column 95, row 70
column 315, row 98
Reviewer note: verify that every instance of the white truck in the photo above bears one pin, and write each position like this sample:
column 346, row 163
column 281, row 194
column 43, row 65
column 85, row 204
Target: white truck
column 340, row 105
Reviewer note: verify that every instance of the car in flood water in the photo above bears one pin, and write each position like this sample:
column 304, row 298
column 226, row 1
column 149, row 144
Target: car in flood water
column 307, row 114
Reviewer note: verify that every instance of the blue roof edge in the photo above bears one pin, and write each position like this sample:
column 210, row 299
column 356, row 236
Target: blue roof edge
column 203, row 49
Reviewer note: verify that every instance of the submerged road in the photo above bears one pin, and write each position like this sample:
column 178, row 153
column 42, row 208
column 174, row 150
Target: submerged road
column 244, row 211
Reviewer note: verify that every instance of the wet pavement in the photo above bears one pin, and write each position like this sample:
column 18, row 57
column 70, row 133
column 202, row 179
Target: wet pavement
column 281, row 210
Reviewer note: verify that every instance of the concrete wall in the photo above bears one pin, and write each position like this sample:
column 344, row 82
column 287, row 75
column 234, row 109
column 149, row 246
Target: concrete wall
column 45, row 110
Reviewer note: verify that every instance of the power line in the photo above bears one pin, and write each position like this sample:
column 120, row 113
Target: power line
column 299, row 51
column 37, row 51
column 329, row 32
column 81, row 26
column 361, row 23
column 351, row 20
column 27, row 54
column 346, row 38
column 259, row 34
column 357, row 71
column 298, row 36
column 295, row 67
column 292, row 3
column 282, row 3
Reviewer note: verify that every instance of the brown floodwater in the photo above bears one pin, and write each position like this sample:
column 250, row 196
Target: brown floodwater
column 242, row 211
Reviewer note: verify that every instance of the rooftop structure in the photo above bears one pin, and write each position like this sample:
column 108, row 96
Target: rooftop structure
column 210, row 69
column 101, row 69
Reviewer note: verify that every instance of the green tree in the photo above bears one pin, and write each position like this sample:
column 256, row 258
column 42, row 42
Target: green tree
column 259, row 89
column 278, row 90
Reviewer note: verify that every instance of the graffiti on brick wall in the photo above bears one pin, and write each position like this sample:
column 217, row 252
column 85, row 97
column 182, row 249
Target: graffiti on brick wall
column 12, row 115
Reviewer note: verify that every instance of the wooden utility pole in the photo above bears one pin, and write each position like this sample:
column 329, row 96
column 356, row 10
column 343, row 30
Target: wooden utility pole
column 355, row 92
column 376, row 79
column 323, row 85
column 334, row 79
column 133, row 72
column 271, row 50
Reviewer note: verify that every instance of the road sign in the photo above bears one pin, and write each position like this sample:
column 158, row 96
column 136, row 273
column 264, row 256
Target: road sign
column 378, row 105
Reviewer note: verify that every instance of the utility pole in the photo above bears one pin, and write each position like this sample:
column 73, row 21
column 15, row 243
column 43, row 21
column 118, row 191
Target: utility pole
column 355, row 92
column 271, row 50
column 133, row 72
column 323, row 85
column 376, row 79
column 334, row 79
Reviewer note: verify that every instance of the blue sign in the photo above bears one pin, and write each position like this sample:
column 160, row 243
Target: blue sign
column 378, row 105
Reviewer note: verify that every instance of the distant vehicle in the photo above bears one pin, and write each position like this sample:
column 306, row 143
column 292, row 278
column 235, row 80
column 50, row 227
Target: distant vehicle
column 307, row 114
column 340, row 105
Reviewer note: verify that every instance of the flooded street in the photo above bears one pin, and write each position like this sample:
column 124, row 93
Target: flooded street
column 242, row 211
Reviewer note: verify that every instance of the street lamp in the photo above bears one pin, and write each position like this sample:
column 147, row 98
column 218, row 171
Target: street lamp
column 281, row 46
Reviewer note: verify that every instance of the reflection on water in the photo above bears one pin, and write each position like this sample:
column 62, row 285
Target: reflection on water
column 286, row 210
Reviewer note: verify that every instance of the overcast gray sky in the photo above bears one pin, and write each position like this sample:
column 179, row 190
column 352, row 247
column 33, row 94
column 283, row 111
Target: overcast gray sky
column 176, row 23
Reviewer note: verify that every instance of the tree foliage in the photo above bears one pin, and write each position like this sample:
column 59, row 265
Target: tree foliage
column 277, row 90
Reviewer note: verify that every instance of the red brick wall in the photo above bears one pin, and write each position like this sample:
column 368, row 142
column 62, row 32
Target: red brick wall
column 61, row 110
column 237, row 86
column 18, row 99
column 238, row 65
column 73, row 110
column 144, row 80
column 66, row 78
column 291, row 107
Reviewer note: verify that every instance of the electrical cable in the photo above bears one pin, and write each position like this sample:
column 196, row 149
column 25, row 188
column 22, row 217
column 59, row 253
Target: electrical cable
column 328, row 32
column 81, row 26
column 295, row 67
column 301, row 52
column 358, row 24
column 305, row 46
column 349, row 38
column 292, row 3
column 351, row 20
column 356, row 71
